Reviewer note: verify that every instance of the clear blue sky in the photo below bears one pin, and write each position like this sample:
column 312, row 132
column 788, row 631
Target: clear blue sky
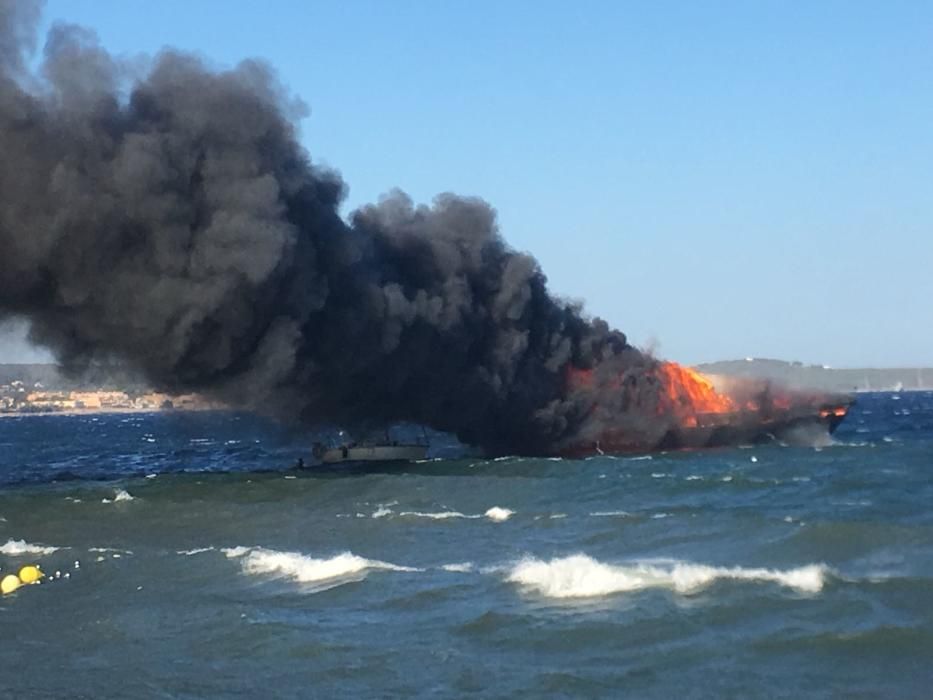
column 721, row 179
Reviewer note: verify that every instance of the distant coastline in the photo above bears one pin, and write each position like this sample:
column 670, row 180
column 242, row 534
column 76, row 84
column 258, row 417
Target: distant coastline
column 39, row 389
column 42, row 389
column 95, row 411
column 823, row 377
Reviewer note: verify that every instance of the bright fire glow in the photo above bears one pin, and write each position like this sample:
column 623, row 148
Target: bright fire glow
column 837, row 411
column 687, row 393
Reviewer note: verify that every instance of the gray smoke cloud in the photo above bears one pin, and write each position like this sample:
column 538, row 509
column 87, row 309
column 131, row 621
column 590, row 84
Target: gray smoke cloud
column 173, row 222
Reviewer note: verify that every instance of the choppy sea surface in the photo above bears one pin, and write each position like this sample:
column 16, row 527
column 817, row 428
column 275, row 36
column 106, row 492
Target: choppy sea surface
column 186, row 560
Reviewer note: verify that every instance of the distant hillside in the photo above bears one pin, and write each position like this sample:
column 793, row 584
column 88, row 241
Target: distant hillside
column 797, row 374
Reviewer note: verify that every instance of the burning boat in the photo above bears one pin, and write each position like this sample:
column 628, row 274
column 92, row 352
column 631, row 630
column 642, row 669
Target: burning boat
column 692, row 410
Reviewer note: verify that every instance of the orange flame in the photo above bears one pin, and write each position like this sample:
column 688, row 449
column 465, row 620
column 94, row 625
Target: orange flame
column 838, row 411
column 687, row 393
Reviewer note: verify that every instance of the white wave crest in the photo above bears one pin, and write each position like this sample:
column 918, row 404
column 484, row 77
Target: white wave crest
column 499, row 514
column 496, row 513
column 381, row 512
column 580, row 576
column 460, row 568
column 611, row 514
column 196, row 550
column 120, row 495
column 442, row 515
column 304, row 569
column 17, row 547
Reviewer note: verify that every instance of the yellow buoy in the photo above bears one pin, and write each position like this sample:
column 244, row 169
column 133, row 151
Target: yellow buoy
column 30, row 574
column 10, row 583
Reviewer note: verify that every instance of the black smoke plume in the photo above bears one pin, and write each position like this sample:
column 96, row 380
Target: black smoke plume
column 171, row 221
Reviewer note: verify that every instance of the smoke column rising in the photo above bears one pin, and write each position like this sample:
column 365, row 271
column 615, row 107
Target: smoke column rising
column 175, row 224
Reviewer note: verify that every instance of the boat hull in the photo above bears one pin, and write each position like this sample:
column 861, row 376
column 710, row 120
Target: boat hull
column 725, row 430
column 374, row 453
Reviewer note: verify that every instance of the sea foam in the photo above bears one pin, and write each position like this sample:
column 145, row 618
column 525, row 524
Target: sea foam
column 121, row 495
column 499, row 514
column 496, row 514
column 459, row 568
column 17, row 547
column 305, row 569
column 442, row 515
column 581, row 576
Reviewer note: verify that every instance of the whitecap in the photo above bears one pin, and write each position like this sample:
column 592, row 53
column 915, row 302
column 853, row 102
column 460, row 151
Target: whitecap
column 305, row 569
column 109, row 549
column 382, row 512
column 460, row 568
column 442, row 515
column 498, row 514
column 611, row 514
column 17, row 547
column 196, row 550
column 120, row 496
column 581, row 576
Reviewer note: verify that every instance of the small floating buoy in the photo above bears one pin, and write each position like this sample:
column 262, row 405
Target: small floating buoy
column 10, row 583
column 30, row 574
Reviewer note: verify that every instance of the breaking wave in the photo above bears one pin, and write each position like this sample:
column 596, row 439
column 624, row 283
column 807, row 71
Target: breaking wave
column 338, row 569
column 16, row 547
column 581, row 576
column 442, row 515
column 496, row 514
column 119, row 496
column 499, row 514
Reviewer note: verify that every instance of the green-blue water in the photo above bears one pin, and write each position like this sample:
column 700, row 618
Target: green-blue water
column 191, row 563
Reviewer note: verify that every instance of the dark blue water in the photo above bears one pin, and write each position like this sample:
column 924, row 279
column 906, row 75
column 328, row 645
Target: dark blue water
column 191, row 563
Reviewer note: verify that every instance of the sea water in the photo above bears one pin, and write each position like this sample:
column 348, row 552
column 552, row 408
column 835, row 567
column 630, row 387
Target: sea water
column 185, row 559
